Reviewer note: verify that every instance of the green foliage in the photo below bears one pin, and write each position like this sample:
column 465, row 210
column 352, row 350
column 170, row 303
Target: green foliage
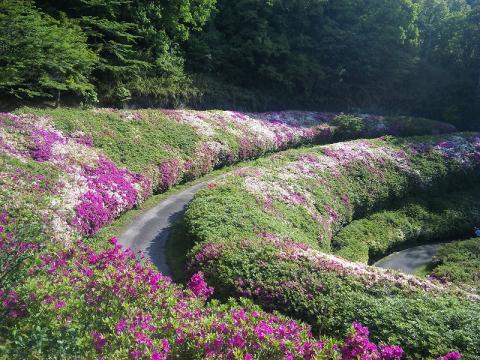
column 40, row 56
column 348, row 126
column 444, row 80
column 274, row 251
column 418, row 57
column 302, row 47
column 459, row 262
column 19, row 216
column 424, row 324
column 416, row 221
column 399, row 56
column 137, row 145
column 137, row 41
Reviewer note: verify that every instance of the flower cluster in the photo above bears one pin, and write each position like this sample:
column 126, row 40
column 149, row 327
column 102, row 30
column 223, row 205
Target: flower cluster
column 199, row 287
column 358, row 346
column 159, row 319
column 111, row 191
column 277, row 246
column 455, row 355
column 107, row 304
column 226, row 137
column 91, row 191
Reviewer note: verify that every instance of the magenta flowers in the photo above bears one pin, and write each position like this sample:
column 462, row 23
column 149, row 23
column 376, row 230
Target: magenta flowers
column 199, row 287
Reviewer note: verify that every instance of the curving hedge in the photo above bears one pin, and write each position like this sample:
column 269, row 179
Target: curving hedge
column 416, row 221
column 459, row 262
column 263, row 232
column 171, row 146
column 67, row 173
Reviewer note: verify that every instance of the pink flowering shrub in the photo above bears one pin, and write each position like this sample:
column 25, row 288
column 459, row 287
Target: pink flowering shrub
column 43, row 141
column 171, row 146
column 93, row 191
column 199, row 287
column 64, row 298
column 451, row 356
column 111, row 191
column 358, row 346
column 273, row 246
column 75, row 290
column 170, row 171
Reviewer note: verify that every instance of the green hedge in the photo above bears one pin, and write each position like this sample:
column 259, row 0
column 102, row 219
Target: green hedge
column 263, row 232
column 459, row 262
column 423, row 317
column 417, row 221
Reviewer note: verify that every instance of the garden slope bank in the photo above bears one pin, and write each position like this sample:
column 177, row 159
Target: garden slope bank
column 62, row 177
column 170, row 146
column 264, row 232
column 459, row 262
column 417, row 221
column 108, row 161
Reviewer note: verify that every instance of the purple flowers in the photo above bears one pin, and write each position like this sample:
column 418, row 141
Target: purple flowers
column 99, row 341
column 126, row 306
column 121, row 326
column 43, row 141
column 199, row 287
column 112, row 191
column 358, row 346
column 170, row 171
column 451, row 356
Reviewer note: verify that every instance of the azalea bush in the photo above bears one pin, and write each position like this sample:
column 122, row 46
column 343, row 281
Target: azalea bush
column 171, row 146
column 415, row 221
column 309, row 195
column 329, row 293
column 458, row 262
column 264, row 232
column 66, row 174
column 106, row 304
column 89, row 189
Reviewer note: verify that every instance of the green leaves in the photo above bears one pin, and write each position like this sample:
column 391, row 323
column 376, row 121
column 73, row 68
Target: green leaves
column 41, row 54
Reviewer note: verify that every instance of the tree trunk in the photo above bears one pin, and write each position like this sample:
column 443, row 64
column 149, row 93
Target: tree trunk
column 57, row 100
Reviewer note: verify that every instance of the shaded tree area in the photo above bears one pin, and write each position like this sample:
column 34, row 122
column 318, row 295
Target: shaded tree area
column 41, row 56
column 419, row 57
column 136, row 43
column 402, row 56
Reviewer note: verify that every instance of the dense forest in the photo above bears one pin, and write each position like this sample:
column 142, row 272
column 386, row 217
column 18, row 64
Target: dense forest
column 418, row 57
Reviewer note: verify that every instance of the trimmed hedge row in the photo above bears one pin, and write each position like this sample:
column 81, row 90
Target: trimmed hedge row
column 61, row 177
column 263, row 232
column 422, row 316
column 171, row 146
column 428, row 219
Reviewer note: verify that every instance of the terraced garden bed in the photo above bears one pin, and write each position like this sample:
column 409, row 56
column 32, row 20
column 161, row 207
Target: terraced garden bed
column 266, row 232
column 66, row 174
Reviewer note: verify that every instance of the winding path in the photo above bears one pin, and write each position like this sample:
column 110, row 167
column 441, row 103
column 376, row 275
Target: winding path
column 150, row 231
column 409, row 260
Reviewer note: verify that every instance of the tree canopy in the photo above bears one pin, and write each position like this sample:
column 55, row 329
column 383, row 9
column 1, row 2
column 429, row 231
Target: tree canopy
column 40, row 54
column 418, row 57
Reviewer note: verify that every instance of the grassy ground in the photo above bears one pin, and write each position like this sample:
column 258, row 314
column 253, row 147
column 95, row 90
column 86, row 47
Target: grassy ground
column 178, row 246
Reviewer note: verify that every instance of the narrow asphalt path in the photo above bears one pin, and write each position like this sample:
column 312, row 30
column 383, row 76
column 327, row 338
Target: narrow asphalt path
column 409, row 260
column 149, row 232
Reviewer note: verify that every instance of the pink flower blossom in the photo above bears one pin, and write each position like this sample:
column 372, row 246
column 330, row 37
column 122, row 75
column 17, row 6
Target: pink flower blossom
column 199, row 287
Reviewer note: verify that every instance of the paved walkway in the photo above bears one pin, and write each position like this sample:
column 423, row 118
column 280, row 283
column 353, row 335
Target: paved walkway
column 150, row 231
column 409, row 260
